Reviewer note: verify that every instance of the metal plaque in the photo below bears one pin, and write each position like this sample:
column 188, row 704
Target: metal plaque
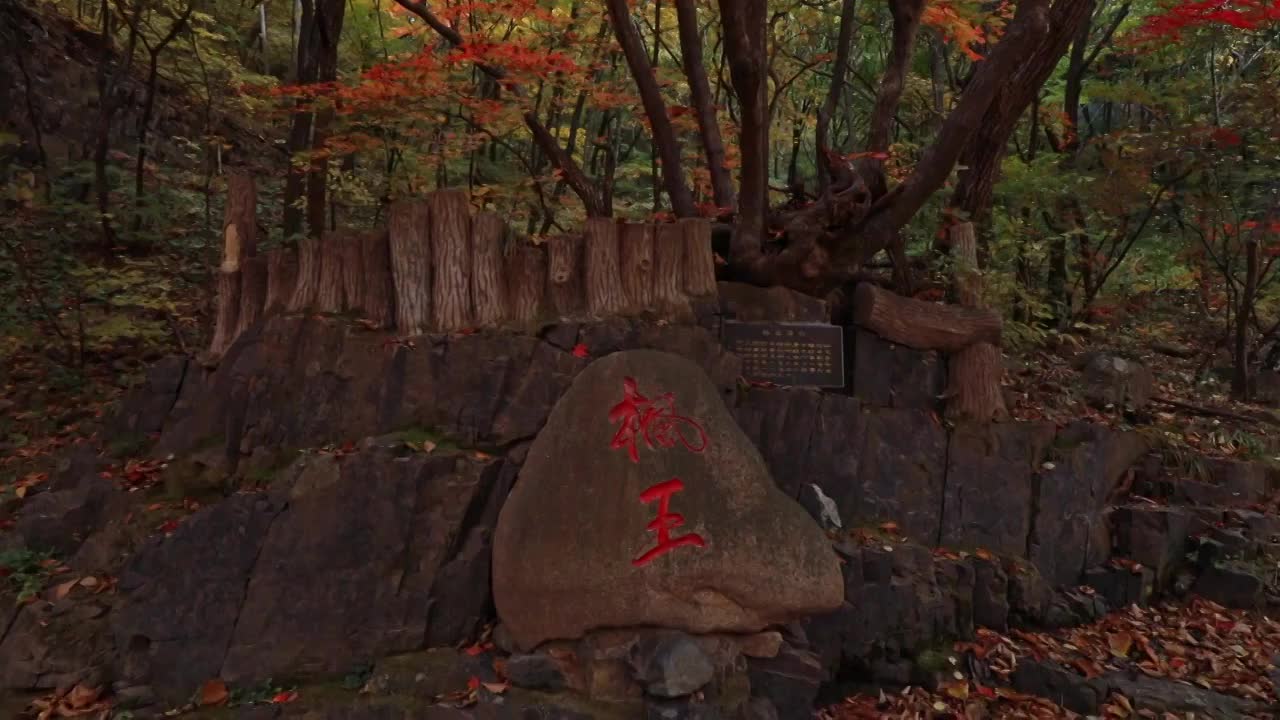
column 795, row 354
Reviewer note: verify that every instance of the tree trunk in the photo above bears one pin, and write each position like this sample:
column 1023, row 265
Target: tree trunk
column 923, row 325
column 664, row 135
column 668, row 270
column 409, row 227
column 704, row 105
column 228, row 313
column 635, row 242
column 604, row 282
column 1240, row 374
column 253, row 293
column 565, row 273
column 526, row 275
column 745, row 30
column 488, row 292
column 699, row 260
column 240, row 221
column 451, row 260
column 377, row 302
column 974, row 373
column 354, row 274
column 844, row 42
column 282, row 277
column 329, row 297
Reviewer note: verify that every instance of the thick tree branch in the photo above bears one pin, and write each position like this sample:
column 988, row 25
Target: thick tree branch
column 703, row 104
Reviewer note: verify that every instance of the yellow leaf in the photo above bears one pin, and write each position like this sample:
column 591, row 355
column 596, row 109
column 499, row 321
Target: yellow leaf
column 1120, row 644
column 213, row 692
column 21, row 492
column 62, row 589
column 957, row 690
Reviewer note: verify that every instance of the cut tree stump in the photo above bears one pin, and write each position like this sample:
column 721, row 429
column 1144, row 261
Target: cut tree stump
column 253, row 293
column 451, row 260
column 282, row 276
column 353, row 271
column 699, row 259
column 228, row 312
column 308, row 281
column 378, row 301
column 923, row 325
column 526, row 275
column 488, row 291
column 329, row 292
column 240, row 221
column 410, row 243
column 603, row 277
column 635, row 243
column 565, row 275
column 974, row 373
column 668, row 265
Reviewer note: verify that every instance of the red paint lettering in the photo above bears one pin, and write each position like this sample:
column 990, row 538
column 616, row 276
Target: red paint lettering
column 665, row 522
column 656, row 422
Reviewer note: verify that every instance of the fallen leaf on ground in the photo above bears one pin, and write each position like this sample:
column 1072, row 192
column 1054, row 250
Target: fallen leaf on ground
column 213, row 692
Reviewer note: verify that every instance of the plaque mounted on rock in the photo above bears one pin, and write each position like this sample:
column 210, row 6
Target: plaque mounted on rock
column 795, row 354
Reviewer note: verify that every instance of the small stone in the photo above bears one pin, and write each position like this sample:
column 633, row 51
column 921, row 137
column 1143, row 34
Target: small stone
column 536, row 672
column 671, row 665
column 761, row 645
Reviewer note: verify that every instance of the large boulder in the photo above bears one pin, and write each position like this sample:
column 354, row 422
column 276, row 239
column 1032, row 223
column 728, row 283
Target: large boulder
column 1113, row 380
column 642, row 503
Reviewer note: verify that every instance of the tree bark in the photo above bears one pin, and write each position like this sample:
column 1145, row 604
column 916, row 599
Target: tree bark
column 699, row 260
column 906, row 25
column 704, row 104
column 308, row 283
column 745, row 31
column 668, row 270
column 526, row 275
column 451, row 260
column 974, row 373
column 378, row 300
column 240, row 221
column 329, row 293
column 564, row 253
column 635, row 242
column 253, row 293
column 923, row 325
column 354, row 274
column 664, row 135
column 282, row 277
column 844, row 43
column 409, row 226
column 488, row 291
column 1244, row 311
column 228, row 312
column 603, row 278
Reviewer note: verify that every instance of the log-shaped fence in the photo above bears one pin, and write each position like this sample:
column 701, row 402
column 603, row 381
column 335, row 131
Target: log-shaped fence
column 440, row 268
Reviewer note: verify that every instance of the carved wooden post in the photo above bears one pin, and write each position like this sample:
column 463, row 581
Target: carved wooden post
column 410, row 244
column 239, row 241
column 564, row 271
column 282, row 276
column 308, row 282
column 604, row 280
column 488, row 291
column 923, row 325
column 635, row 241
column 526, row 274
column 240, row 221
column 353, row 270
column 253, row 292
column 379, row 288
column 974, row 373
column 329, row 291
column 451, row 260
column 668, row 262
column 699, row 259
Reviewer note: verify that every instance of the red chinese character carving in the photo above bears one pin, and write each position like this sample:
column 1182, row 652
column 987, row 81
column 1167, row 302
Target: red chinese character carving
column 655, row 421
column 665, row 522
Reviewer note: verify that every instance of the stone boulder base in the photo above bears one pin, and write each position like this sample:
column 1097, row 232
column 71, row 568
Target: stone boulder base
column 572, row 541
